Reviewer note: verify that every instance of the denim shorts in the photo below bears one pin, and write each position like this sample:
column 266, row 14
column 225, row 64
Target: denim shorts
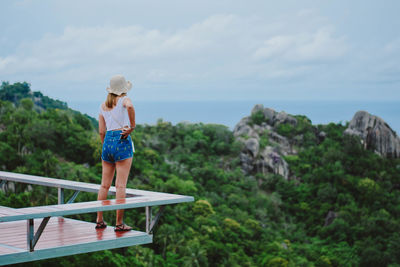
column 116, row 149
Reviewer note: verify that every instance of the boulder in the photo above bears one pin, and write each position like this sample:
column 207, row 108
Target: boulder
column 330, row 218
column 257, row 108
column 272, row 161
column 242, row 127
column 270, row 114
column 321, row 136
column 243, row 130
column 281, row 144
column 247, row 162
column 375, row 134
column 283, row 117
column 252, row 145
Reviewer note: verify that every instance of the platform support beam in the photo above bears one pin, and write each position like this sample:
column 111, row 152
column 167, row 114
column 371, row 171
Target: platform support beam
column 33, row 238
column 72, row 199
column 150, row 223
column 29, row 234
column 60, row 195
column 148, row 218
column 156, row 218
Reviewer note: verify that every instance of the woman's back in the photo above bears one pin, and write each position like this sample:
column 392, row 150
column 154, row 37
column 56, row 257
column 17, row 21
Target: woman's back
column 116, row 117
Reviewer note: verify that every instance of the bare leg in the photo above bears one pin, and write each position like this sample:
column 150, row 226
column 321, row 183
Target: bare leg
column 123, row 168
column 106, row 180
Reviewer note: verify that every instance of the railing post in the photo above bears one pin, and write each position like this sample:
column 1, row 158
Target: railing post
column 60, row 195
column 29, row 234
column 2, row 183
column 148, row 219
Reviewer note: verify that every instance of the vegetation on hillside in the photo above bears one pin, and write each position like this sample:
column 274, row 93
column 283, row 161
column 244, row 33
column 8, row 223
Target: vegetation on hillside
column 236, row 219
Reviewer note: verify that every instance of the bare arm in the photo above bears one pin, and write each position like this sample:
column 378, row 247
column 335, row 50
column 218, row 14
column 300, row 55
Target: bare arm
column 131, row 113
column 102, row 128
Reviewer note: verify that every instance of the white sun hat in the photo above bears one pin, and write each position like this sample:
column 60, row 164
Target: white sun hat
column 118, row 85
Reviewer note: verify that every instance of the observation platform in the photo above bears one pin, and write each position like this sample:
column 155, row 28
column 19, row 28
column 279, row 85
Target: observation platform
column 35, row 233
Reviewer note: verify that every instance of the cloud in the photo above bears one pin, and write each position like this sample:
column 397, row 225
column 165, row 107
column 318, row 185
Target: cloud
column 130, row 45
column 320, row 45
column 221, row 52
column 222, row 43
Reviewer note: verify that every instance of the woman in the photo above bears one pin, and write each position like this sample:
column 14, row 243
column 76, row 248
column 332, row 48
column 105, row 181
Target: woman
column 116, row 122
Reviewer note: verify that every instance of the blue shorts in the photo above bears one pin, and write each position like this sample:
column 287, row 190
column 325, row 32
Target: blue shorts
column 116, row 149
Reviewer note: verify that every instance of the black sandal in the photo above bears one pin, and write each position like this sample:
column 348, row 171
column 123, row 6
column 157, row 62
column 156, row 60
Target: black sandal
column 101, row 225
column 122, row 228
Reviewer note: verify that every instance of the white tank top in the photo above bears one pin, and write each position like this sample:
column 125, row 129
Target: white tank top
column 117, row 117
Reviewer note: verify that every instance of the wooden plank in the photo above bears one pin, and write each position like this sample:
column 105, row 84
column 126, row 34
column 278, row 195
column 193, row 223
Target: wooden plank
column 72, row 236
column 4, row 208
column 66, row 237
column 64, row 231
column 7, row 249
column 91, row 206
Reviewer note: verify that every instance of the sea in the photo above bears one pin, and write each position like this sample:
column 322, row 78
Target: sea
column 229, row 113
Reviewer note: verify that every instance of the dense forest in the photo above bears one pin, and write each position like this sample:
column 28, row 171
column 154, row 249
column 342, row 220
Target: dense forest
column 237, row 219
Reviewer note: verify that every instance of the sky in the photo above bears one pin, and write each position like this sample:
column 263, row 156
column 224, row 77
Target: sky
column 182, row 50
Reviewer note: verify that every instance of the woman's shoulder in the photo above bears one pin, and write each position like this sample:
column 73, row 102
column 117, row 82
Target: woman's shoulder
column 103, row 107
column 126, row 101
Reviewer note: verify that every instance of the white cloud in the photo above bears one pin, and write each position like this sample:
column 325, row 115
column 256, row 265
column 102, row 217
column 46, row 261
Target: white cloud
column 202, row 46
column 115, row 45
column 221, row 49
column 320, row 45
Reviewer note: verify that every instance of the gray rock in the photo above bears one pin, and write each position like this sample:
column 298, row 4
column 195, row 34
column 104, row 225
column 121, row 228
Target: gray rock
column 375, row 134
column 321, row 136
column 252, row 145
column 247, row 162
column 281, row 142
column 243, row 130
column 271, row 160
column 330, row 218
column 240, row 127
column 256, row 108
column 270, row 115
column 257, row 128
column 283, row 117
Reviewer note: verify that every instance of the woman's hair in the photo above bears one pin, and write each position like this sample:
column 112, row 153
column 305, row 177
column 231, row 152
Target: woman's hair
column 110, row 101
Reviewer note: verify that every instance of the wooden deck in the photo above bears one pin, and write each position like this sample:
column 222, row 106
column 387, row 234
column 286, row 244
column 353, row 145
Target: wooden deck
column 62, row 237
column 34, row 233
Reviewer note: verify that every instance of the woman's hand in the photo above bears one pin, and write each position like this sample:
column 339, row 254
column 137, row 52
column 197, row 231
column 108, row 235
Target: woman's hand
column 126, row 131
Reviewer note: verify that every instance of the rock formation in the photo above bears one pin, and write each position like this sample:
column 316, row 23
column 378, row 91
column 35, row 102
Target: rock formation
column 375, row 134
column 268, row 136
column 263, row 148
